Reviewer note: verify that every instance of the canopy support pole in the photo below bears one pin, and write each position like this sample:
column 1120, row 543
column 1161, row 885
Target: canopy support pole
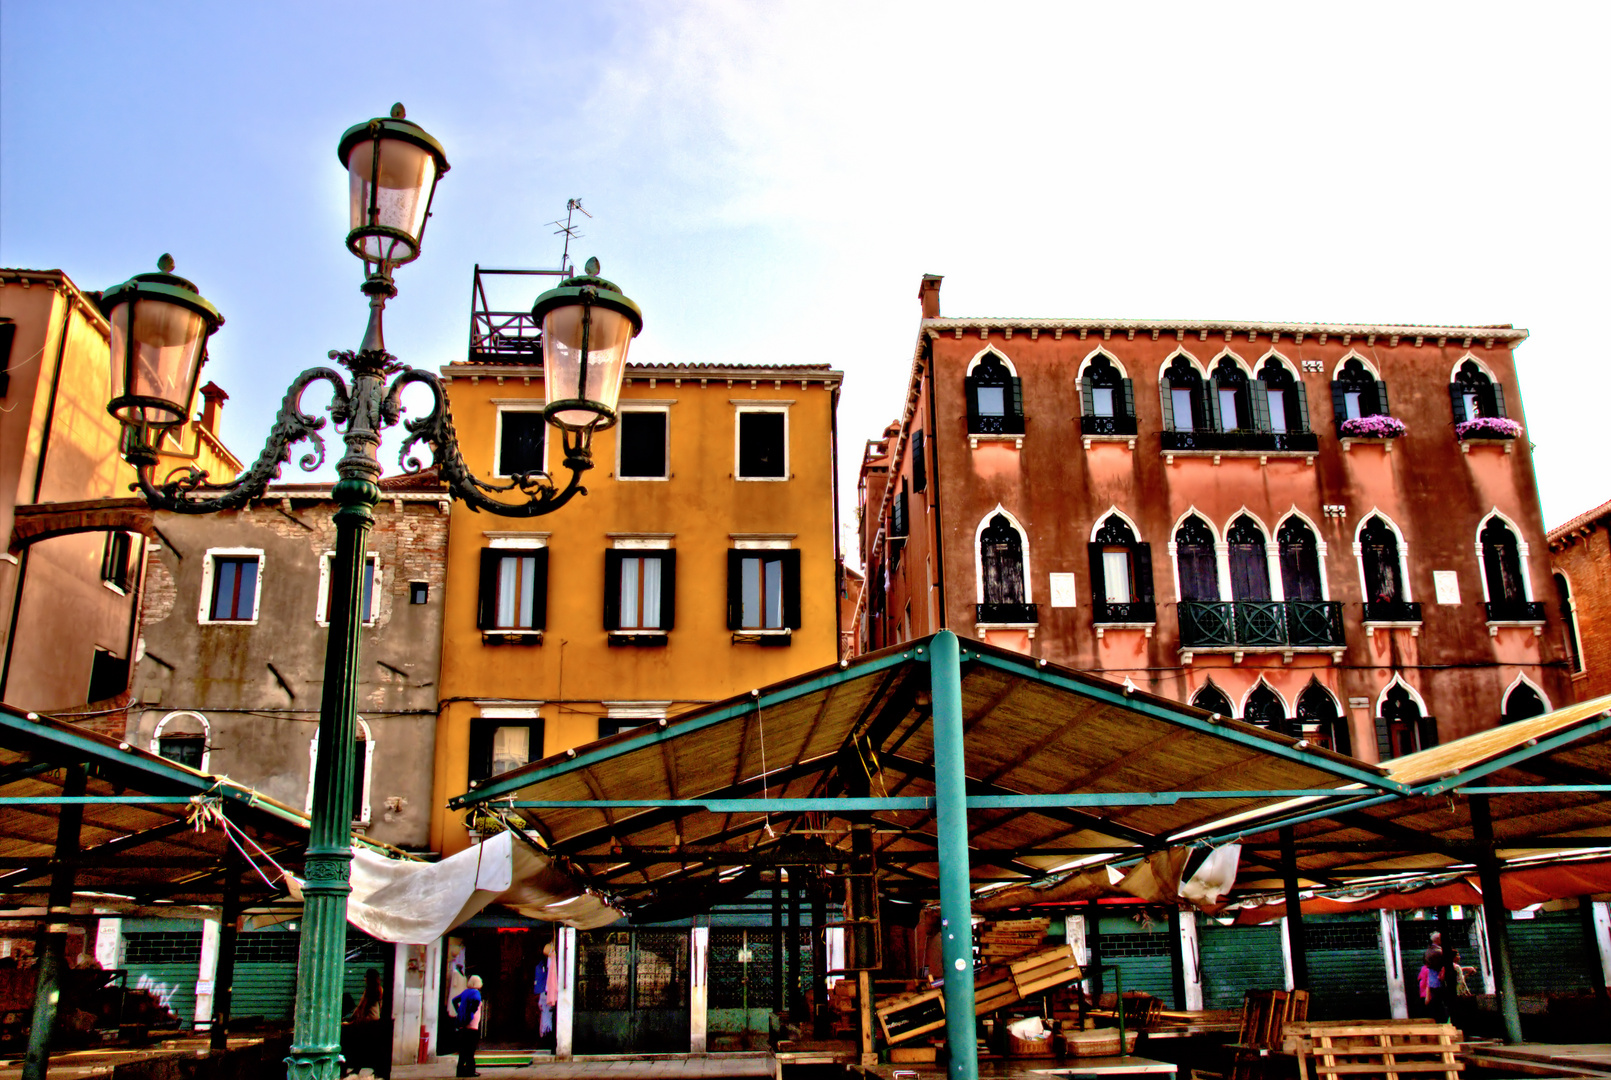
column 1493, row 913
column 951, row 825
column 47, row 987
column 224, row 974
column 819, row 957
column 793, row 1003
column 1296, row 943
column 778, row 996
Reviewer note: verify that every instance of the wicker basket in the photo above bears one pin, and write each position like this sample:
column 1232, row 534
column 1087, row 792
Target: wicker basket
column 1026, row 1048
column 1102, row 1042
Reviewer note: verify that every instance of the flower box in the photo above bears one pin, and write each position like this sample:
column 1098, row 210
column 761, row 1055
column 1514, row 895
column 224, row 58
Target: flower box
column 1488, row 427
column 1373, row 427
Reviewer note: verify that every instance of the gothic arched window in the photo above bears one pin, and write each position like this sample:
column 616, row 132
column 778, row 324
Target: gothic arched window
column 995, row 398
column 1264, row 709
column 1300, row 561
column 1001, row 566
column 1356, row 393
column 1574, row 647
column 1378, row 550
column 1288, row 406
column 1181, row 392
column 1502, row 571
column 1400, row 726
column 1522, row 703
column 1121, row 574
column 1232, row 404
column 1107, row 400
column 1194, row 555
column 1319, row 720
column 1250, row 564
column 1474, row 394
column 1212, row 699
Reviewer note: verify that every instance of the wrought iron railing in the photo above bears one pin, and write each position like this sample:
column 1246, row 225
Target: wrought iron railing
column 1007, row 613
column 996, row 425
column 1392, row 611
column 1292, row 441
column 1136, row 611
column 1107, row 425
column 1261, row 623
column 1514, row 611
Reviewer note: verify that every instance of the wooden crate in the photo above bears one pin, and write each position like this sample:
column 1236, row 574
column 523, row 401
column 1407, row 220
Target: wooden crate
column 1044, row 970
column 996, row 994
column 1384, row 1048
column 902, row 1055
column 911, row 1015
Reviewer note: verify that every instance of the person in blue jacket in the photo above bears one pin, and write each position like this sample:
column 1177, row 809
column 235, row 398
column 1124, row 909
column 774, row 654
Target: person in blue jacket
column 467, row 1010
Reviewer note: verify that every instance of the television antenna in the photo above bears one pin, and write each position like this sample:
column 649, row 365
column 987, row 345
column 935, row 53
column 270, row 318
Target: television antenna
column 567, row 230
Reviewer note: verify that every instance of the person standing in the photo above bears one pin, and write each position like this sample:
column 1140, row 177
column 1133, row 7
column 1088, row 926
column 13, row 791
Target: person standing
column 467, row 1009
column 1436, row 974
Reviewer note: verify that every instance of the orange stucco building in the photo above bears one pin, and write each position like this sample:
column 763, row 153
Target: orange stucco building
column 1329, row 529
column 1580, row 569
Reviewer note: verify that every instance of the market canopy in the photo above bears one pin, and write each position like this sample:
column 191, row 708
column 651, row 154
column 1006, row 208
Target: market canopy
column 1062, row 769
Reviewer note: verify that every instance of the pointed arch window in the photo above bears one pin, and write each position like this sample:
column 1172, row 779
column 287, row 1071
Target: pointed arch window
column 1181, row 396
column 1107, row 400
column 995, row 398
column 1574, row 647
column 1300, row 561
column 1473, row 394
column 1250, row 563
column 1231, row 402
column 1318, row 719
column 1504, row 576
column 1195, row 558
column 1400, row 727
column 1212, row 699
column 1522, row 703
column 1357, row 393
column 1381, row 562
column 1121, row 575
column 1286, row 403
column 1001, row 566
column 1264, row 709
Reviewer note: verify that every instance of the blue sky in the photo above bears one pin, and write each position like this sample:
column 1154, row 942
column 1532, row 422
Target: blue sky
column 770, row 180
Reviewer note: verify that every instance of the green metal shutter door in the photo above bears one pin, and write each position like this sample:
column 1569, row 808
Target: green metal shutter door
column 1237, row 959
column 265, row 975
column 1347, row 976
column 149, row 957
column 1548, row 954
column 1142, row 957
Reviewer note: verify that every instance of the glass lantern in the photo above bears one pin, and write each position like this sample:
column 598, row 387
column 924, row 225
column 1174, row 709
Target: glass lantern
column 392, row 169
column 160, row 326
column 588, row 325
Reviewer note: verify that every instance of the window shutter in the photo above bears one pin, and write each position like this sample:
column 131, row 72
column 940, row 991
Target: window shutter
column 539, row 590
column 1339, row 403
column 1381, row 399
column 1129, row 398
column 1300, row 394
column 1143, row 572
column 1167, row 402
column 970, row 390
column 920, row 463
column 612, row 588
column 1215, row 423
column 1457, row 402
column 481, row 730
column 1497, row 399
column 1384, row 744
column 1099, row 578
column 1426, row 731
column 1086, row 408
column 791, row 588
column 668, row 589
column 1259, row 393
column 487, row 612
column 1015, row 407
column 735, row 586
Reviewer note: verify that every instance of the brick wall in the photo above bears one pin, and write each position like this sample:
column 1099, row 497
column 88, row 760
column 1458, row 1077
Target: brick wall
column 1583, row 557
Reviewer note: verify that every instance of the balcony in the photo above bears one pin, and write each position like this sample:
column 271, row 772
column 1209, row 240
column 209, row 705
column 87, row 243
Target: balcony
column 1107, row 425
column 996, row 425
column 1297, row 442
column 1392, row 611
column 1133, row 612
column 1013, row 614
column 1261, row 624
column 1514, row 611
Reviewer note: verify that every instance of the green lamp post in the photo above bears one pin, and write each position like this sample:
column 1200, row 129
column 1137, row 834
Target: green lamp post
column 160, row 329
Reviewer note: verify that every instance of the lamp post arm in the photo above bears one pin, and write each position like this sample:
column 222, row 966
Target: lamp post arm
column 186, row 491
column 435, row 429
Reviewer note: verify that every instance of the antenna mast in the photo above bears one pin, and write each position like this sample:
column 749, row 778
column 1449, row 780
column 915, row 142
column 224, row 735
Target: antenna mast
column 567, row 230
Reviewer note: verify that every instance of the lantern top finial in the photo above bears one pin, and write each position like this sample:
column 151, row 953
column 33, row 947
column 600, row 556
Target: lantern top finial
column 165, row 263
column 592, row 265
column 398, row 112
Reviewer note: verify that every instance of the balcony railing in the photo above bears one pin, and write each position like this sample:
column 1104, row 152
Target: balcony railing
column 1392, row 611
column 996, row 425
column 1514, row 611
column 1277, row 624
column 1133, row 612
column 1023, row 614
column 1107, row 425
column 1276, row 441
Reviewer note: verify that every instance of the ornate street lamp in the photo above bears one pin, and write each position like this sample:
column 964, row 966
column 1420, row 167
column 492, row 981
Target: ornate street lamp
column 588, row 324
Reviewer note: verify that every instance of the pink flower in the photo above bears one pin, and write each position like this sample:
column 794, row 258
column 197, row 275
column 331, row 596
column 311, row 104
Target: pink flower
column 1373, row 427
column 1488, row 427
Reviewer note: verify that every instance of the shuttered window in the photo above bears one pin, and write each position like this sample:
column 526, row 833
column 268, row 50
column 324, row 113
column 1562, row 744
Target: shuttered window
column 514, row 589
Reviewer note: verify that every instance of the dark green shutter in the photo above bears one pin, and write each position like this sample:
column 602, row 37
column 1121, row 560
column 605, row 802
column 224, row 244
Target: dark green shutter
column 920, row 463
column 539, row 589
column 1215, row 421
column 8, row 334
column 1086, row 408
column 1167, row 403
column 1302, row 398
column 1339, row 403
column 1259, row 394
column 1099, row 580
column 612, row 588
column 970, row 390
column 1015, row 407
column 481, row 730
column 1497, row 401
column 668, row 589
column 791, row 588
column 1457, row 402
column 1381, row 399
column 1426, row 730
column 1384, row 744
column 735, row 589
column 487, row 611
column 1142, row 554
column 1129, row 398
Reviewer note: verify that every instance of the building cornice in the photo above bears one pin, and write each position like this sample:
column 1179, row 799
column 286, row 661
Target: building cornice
column 1394, row 333
column 727, row 374
column 59, row 281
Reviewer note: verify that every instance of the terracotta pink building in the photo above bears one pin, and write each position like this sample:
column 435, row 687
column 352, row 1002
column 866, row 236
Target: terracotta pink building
column 1332, row 530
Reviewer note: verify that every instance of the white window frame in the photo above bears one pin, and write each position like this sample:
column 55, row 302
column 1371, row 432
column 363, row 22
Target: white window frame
column 1320, row 554
column 642, row 542
column 1288, row 708
column 206, row 735
column 1520, row 679
column 645, row 712
column 978, row 564
column 1522, row 551
column 761, row 406
column 1222, row 552
column 641, row 406
column 529, row 713
column 369, row 770
column 516, row 541
column 327, row 562
column 208, row 566
column 1574, row 635
column 515, row 405
column 1272, row 556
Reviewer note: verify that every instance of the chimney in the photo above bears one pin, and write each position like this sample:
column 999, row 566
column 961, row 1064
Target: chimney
column 212, row 400
column 929, row 294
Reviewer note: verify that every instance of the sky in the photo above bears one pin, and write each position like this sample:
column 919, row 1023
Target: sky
column 770, row 180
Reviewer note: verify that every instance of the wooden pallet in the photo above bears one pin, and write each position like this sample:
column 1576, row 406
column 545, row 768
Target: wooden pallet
column 1044, row 970
column 910, row 1015
column 1370, row 1048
